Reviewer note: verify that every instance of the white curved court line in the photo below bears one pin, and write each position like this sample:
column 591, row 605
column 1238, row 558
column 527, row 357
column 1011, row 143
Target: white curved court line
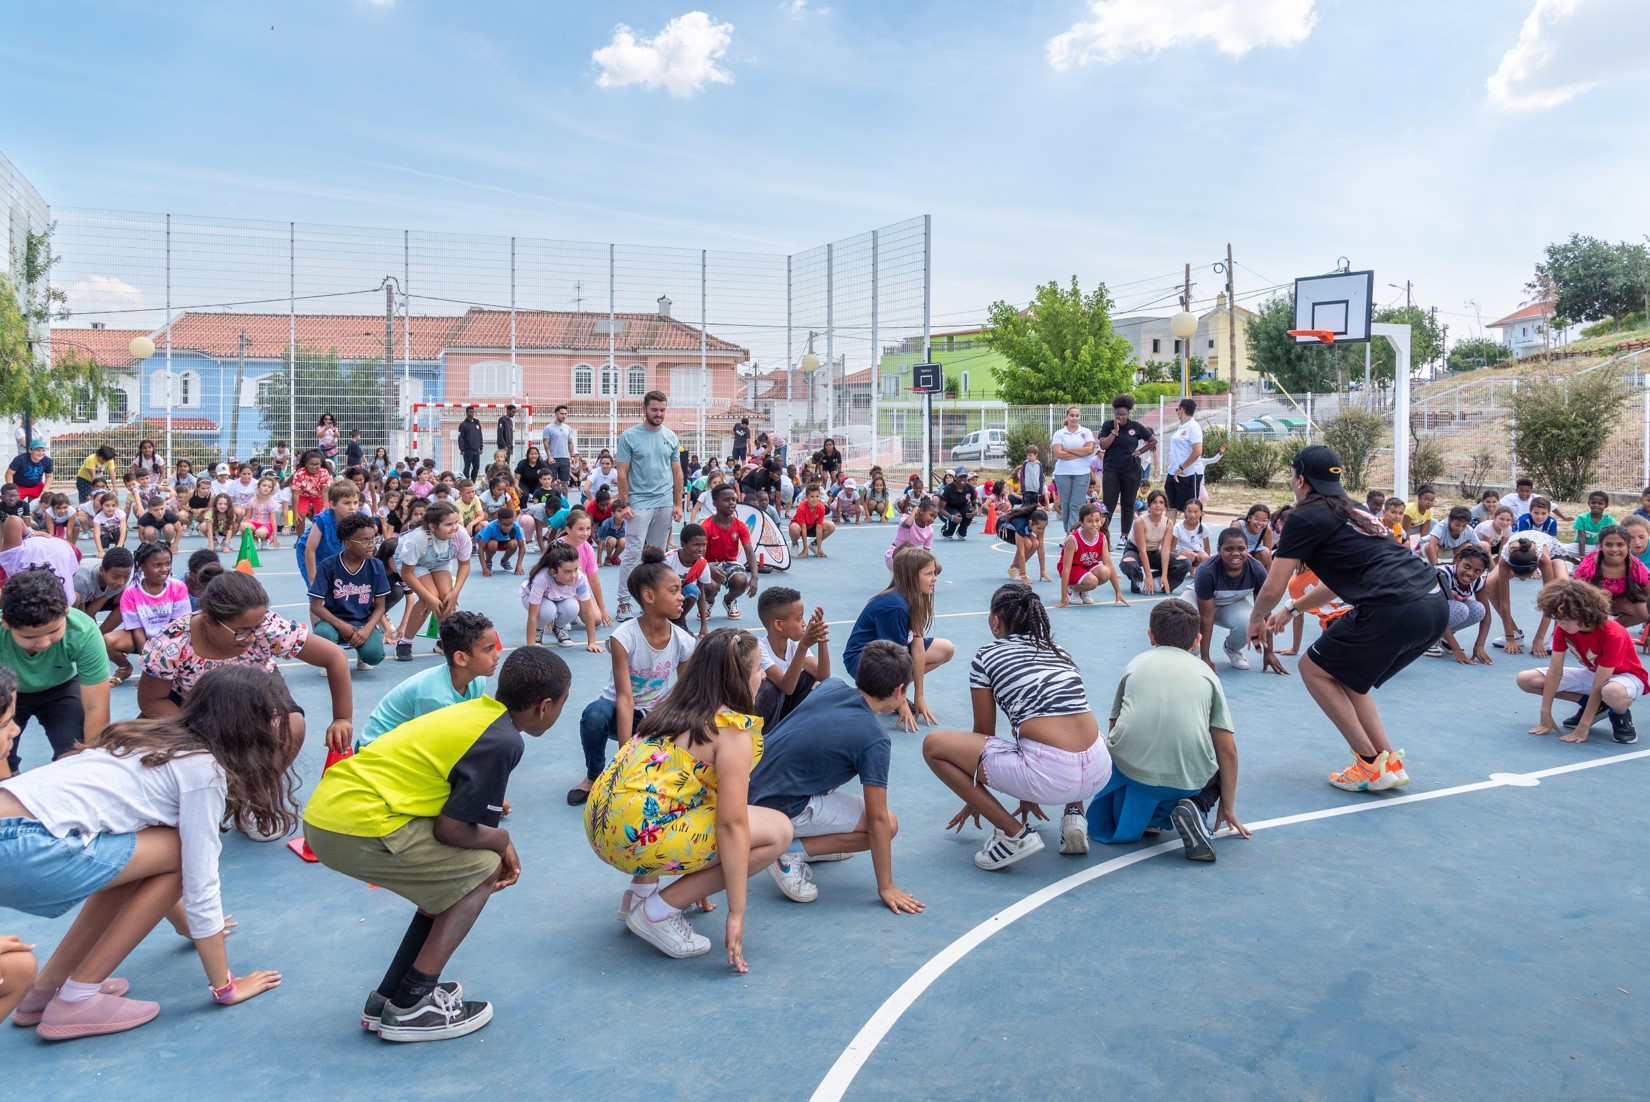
column 865, row 1042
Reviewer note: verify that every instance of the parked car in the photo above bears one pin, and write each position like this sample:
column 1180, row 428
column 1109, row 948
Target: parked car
column 983, row 446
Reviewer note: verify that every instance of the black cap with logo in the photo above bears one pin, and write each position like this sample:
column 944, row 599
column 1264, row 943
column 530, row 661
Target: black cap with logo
column 1321, row 467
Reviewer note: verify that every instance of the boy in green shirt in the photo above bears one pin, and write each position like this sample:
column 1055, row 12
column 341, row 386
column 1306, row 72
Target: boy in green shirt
column 1172, row 751
column 1588, row 524
column 417, row 812
column 60, row 660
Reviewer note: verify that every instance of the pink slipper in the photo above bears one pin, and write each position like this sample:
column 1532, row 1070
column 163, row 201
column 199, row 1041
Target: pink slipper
column 100, row 1014
column 33, row 1004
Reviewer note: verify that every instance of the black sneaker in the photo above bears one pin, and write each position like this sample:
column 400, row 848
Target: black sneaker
column 439, row 1016
column 1621, row 727
column 373, row 1012
column 403, row 651
column 1194, row 832
column 1575, row 719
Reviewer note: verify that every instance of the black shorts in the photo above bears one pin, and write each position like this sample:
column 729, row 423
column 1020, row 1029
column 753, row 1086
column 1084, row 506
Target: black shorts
column 1366, row 647
column 1181, row 491
column 61, row 714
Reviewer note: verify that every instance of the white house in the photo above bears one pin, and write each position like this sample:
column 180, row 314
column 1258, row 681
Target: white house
column 1529, row 330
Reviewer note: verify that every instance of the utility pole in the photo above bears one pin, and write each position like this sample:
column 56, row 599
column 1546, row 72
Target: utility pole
column 1186, row 344
column 1444, row 353
column 1231, row 324
column 235, row 402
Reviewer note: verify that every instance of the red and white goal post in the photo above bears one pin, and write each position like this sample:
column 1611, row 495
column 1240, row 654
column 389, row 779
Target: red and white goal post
column 431, row 419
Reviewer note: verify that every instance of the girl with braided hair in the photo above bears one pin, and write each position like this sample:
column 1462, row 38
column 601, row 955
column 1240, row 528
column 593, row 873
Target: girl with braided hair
column 1054, row 754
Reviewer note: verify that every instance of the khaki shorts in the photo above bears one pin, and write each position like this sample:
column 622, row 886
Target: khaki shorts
column 409, row 862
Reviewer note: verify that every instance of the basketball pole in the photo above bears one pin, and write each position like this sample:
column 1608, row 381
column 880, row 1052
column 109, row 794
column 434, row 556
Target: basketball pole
column 1398, row 335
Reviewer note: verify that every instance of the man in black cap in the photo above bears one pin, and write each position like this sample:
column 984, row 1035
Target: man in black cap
column 1398, row 611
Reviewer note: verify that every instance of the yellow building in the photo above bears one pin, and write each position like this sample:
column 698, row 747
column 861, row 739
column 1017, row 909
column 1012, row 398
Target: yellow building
column 1213, row 344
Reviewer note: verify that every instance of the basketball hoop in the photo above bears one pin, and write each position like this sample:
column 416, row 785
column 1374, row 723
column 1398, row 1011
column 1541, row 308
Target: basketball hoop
column 1327, row 336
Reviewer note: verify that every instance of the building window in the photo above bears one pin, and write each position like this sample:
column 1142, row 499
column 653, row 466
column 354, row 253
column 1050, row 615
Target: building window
column 610, row 381
column 1525, row 331
column 187, row 393
column 157, row 387
column 119, row 409
column 1211, row 342
column 1157, row 346
column 890, row 386
column 584, row 381
column 490, row 379
column 1177, row 346
column 964, row 388
column 636, row 380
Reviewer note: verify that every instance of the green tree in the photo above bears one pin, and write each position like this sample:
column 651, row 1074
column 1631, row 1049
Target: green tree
column 1298, row 368
column 355, row 395
column 1476, row 352
column 1561, row 426
column 1594, row 279
column 31, row 387
column 1061, row 349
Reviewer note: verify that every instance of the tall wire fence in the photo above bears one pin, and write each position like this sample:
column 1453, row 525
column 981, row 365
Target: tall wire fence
column 260, row 328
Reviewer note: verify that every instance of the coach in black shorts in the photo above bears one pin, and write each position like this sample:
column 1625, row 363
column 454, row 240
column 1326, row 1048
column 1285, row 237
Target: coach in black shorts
column 1183, row 478
column 1397, row 612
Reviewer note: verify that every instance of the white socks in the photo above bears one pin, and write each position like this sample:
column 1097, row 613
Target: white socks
column 655, row 908
column 72, row 992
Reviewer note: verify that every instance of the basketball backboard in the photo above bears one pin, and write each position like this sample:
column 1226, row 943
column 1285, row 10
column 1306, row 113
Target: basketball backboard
column 1339, row 302
column 927, row 376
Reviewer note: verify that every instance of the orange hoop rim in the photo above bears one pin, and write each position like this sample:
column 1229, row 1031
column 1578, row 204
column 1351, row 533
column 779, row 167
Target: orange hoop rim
column 1327, row 336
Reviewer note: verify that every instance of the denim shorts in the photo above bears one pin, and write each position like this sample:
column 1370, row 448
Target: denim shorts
column 1044, row 774
column 47, row 876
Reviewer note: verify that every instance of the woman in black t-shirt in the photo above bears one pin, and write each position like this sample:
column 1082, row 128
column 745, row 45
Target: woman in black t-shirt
column 1398, row 611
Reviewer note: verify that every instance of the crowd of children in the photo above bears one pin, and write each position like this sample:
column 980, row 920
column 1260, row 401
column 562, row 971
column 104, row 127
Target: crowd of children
column 729, row 747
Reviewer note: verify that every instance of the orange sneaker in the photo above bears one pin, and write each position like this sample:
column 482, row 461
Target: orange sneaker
column 1395, row 775
column 1360, row 776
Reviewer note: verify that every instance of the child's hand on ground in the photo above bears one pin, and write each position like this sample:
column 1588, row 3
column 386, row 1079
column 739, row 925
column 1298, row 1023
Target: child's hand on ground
column 1482, row 656
column 1027, row 810
column 253, row 984
column 1461, row 656
column 1546, row 726
column 1045, row 578
column 735, row 938
column 899, row 902
column 1227, row 817
column 1288, row 652
column 594, row 647
column 961, row 818
column 340, row 734
column 924, row 714
column 1578, row 735
column 1062, row 603
column 11, row 943
column 1538, row 649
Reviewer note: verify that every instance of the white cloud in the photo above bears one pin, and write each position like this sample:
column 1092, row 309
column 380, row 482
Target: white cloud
column 1567, row 47
column 102, row 294
column 799, row 9
column 1124, row 27
column 680, row 59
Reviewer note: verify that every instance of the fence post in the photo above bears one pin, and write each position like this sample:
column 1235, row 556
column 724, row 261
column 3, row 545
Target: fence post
column 1646, row 481
column 1231, row 413
column 1512, row 436
column 1162, row 414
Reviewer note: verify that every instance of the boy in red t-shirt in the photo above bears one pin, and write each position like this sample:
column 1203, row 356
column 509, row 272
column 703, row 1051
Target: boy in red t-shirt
column 724, row 534
column 1610, row 671
column 808, row 522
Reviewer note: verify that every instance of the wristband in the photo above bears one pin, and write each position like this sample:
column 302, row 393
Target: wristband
column 223, row 995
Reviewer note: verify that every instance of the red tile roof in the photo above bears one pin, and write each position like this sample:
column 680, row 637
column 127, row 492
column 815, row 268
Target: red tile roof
column 558, row 330
column 1534, row 310
column 106, row 346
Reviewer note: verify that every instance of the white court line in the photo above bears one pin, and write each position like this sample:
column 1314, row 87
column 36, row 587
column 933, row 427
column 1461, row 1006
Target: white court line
column 865, row 1042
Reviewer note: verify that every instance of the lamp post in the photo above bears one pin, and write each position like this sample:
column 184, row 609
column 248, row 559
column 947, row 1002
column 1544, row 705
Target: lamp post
column 810, row 367
column 141, row 348
column 1184, row 325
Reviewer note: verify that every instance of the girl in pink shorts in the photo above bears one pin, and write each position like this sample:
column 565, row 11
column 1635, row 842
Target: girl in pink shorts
column 1055, row 755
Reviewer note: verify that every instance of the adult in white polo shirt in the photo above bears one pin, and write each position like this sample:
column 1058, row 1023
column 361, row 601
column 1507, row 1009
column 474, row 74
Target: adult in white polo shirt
column 1184, row 477
column 650, row 485
column 558, row 445
column 1073, row 446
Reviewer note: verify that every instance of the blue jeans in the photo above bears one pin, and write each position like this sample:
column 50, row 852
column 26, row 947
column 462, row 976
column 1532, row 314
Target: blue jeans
column 1074, row 494
column 598, row 724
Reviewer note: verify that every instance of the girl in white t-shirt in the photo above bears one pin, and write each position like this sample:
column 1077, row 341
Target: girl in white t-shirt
column 425, row 556
column 117, row 829
column 647, row 655
column 557, row 592
column 1191, row 536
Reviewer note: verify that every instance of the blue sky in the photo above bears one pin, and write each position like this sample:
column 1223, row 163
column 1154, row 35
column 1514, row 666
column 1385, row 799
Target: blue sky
column 1443, row 143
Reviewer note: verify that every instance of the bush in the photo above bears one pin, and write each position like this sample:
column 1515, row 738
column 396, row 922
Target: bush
column 1029, row 434
column 1476, row 476
column 1355, row 433
column 1210, row 386
column 1560, row 429
column 1254, row 459
column 1426, row 459
column 1214, row 442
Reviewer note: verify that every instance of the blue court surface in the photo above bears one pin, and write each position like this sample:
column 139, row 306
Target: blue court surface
column 1479, row 935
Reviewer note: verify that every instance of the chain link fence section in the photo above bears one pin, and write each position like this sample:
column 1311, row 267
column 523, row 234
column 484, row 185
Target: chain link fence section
column 262, row 327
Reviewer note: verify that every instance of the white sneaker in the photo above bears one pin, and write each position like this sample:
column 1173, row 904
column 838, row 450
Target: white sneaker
column 1001, row 851
column 1501, row 640
column 1238, row 659
column 673, row 937
column 1435, row 651
column 361, row 664
column 624, row 611
column 1084, row 597
column 1074, row 834
column 794, row 877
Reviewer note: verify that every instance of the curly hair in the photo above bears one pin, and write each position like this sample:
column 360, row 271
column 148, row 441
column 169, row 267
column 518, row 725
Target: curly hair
column 1574, row 601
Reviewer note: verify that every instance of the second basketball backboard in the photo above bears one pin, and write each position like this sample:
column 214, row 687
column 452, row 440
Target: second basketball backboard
column 1338, row 303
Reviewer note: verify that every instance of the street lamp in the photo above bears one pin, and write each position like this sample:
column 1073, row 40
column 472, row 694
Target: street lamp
column 141, row 348
column 1184, row 325
column 810, row 366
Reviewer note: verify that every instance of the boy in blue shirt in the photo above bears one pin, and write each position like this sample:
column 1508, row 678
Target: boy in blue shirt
column 1540, row 517
column 347, row 593
column 471, row 647
column 502, row 535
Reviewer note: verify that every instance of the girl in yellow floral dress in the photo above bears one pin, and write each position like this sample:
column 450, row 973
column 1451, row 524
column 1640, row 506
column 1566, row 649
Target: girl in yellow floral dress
column 674, row 801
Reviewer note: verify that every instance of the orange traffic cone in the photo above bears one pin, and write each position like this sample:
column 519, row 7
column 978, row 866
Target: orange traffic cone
column 991, row 516
column 300, row 845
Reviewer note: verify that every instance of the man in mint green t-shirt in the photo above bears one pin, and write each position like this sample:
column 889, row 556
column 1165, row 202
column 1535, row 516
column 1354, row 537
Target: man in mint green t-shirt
column 60, row 660
column 650, row 488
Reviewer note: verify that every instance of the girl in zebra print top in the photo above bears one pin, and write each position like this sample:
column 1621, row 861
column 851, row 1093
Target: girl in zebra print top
column 1056, row 754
